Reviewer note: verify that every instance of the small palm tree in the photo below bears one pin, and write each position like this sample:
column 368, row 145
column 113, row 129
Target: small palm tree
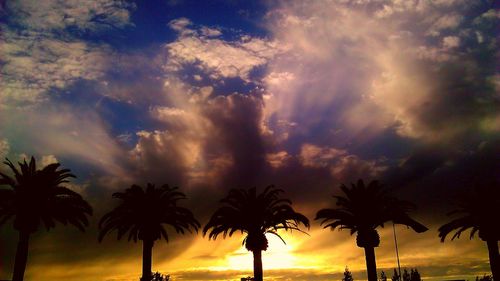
column 142, row 215
column 362, row 210
column 477, row 209
column 255, row 214
column 35, row 197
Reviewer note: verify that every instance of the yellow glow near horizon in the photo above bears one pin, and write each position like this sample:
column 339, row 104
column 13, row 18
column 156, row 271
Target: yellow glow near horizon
column 320, row 252
column 230, row 254
column 277, row 256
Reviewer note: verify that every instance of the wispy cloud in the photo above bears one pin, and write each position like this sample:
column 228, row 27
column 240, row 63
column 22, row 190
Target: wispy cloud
column 43, row 50
column 4, row 148
column 36, row 63
column 218, row 58
column 386, row 67
column 53, row 15
column 64, row 132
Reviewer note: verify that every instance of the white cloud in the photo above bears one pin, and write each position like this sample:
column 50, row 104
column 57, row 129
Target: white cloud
column 445, row 22
column 219, row 58
column 182, row 26
column 35, row 63
column 277, row 159
column 48, row 159
column 179, row 24
column 451, row 42
column 342, row 165
column 329, row 60
column 357, row 72
column 316, row 156
column 4, row 149
column 177, row 157
column 216, row 57
column 210, row 32
column 43, row 52
column 179, row 153
column 49, row 15
column 279, row 79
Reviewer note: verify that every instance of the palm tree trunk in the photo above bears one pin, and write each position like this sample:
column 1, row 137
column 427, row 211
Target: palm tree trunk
column 494, row 258
column 371, row 265
column 21, row 256
column 258, row 275
column 147, row 256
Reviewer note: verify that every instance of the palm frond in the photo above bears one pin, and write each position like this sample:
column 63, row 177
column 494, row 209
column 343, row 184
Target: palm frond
column 246, row 211
column 143, row 213
column 367, row 206
column 37, row 196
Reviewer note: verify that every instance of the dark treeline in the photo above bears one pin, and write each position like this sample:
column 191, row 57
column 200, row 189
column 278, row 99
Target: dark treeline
column 32, row 197
column 412, row 275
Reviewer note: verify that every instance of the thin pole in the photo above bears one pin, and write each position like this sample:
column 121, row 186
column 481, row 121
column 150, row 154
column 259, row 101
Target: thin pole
column 397, row 252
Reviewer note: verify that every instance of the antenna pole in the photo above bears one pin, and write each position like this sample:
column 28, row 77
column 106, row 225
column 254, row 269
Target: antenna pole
column 397, row 252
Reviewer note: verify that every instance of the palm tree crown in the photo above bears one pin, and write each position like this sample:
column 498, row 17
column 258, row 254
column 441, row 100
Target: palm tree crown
column 366, row 207
column 144, row 213
column 37, row 196
column 475, row 210
column 255, row 214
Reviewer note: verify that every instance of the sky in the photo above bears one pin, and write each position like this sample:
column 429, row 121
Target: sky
column 219, row 94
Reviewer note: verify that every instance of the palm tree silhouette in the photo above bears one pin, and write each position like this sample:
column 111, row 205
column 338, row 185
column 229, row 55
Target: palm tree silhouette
column 477, row 209
column 254, row 214
column 143, row 213
column 362, row 210
column 35, row 197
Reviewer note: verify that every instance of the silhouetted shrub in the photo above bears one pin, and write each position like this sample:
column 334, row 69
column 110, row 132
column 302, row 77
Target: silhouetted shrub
column 395, row 276
column 160, row 277
column 485, row 278
column 413, row 275
column 347, row 275
column 383, row 276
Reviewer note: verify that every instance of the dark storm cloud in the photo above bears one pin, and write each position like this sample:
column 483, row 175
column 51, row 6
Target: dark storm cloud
column 237, row 124
column 434, row 177
column 465, row 94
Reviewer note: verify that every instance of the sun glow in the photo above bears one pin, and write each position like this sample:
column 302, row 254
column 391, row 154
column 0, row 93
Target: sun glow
column 277, row 256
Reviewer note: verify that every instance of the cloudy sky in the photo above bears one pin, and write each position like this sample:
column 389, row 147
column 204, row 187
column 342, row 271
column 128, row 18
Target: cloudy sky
column 212, row 95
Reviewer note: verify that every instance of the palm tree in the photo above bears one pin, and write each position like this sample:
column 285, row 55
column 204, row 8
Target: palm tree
column 362, row 210
column 477, row 209
column 37, row 196
column 255, row 214
column 143, row 214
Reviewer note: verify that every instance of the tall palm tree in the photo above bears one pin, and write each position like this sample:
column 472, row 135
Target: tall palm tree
column 143, row 215
column 476, row 210
column 35, row 197
column 362, row 210
column 255, row 214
